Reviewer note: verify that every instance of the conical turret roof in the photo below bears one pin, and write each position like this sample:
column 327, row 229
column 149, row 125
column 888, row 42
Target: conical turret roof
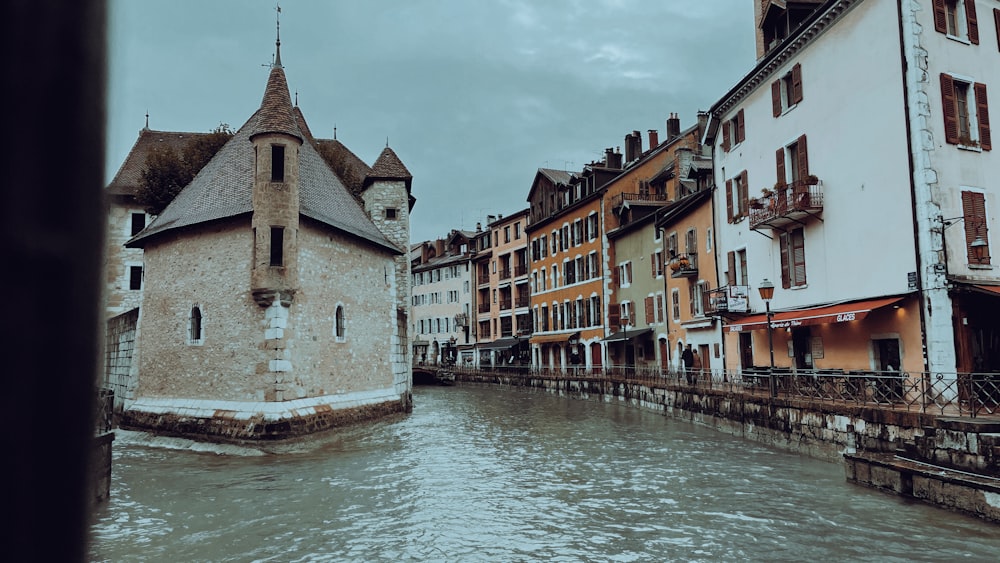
column 276, row 114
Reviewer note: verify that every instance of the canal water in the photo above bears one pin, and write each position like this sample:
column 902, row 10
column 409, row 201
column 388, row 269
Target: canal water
column 488, row 474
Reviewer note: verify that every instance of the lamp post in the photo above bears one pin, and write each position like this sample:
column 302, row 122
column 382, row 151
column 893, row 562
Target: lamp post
column 766, row 290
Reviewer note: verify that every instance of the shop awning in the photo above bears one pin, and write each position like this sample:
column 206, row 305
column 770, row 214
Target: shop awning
column 841, row 313
column 620, row 335
column 992, row 289
column 499, row 344
column 544, row 338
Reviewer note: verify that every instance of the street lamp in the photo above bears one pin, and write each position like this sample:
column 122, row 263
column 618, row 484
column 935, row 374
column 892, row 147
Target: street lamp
column 766, row 289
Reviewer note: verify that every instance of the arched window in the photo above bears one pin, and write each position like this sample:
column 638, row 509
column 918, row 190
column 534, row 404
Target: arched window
column 339, row 323
column 195, row 333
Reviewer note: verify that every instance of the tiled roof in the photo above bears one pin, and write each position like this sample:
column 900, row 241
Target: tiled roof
column 388, row 167
column 276, row 114
column 126, row 181
column 348, row 167
column 224, row 187
column 557, row 176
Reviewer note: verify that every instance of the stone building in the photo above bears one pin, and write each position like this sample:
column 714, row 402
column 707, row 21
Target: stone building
column 276, row 290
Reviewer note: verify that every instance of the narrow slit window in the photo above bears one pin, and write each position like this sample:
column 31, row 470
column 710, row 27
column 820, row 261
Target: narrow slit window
column 277, row 163
column 277, row 246
column 135, row 278
column 138, row 223
column 195, row 327
column 340, row 322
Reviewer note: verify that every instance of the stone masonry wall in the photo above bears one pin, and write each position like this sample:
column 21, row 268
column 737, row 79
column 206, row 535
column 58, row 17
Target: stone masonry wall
column 208, row 268
column 118, row 297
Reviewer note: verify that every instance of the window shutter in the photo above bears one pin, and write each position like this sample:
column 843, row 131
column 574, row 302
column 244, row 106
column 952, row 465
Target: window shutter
column 983, row 116
column 628, row 271
column 796, row 96
column 798, row 257
column 652, row 264
column 776, row 98
column 996, row 23
column 741, row 132
column 940, row 18
column 779, row 159
column 725, row 136
column 614, row 316
column 729, row 200
column 949, row 111
column 803, row 157
column 974, row 211
column 650, row 311
column 783, row 251
column 744, row 194
column 614, row 277
column 731, row 274
column 972, row 21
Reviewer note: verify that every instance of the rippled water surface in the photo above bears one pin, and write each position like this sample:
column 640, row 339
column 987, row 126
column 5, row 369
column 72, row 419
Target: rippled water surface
column 482, row 474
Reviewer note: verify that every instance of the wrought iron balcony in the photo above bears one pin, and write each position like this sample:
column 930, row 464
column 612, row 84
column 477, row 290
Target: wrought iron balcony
column 505, row 273
column 796, row 202
column 643, row 198
column 684, row 265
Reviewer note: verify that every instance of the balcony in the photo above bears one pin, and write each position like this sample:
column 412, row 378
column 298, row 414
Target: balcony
column 684, row 265
column 642, row 198
column 794, row 203
column 483, row 279
column 520, row 270
column 505, row 304
column 505, row 274
column 484, row 308
column 726, row 299
column 522, row 300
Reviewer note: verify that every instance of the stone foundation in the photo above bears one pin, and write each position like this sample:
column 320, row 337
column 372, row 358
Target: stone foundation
column 239, row 422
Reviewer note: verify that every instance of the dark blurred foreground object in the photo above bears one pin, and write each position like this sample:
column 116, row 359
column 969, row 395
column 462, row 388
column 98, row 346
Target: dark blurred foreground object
column 51, row 230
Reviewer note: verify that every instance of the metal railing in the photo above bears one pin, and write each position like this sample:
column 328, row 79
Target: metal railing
column 104, row 411
column 951, row 394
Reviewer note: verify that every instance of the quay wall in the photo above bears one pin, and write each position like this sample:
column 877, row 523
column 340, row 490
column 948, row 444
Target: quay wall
column 947, row 463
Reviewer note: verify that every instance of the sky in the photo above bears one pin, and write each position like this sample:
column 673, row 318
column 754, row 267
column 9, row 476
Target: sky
column 473, row 95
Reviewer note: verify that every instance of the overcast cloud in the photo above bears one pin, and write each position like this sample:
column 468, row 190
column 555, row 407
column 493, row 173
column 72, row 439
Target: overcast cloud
column 474, row 96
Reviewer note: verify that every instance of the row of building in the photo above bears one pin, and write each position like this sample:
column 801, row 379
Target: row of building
column 832, row 210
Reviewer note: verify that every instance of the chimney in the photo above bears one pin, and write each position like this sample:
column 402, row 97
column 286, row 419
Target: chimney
column 439, row 246
column 654, row 139
column 479, row 227
column 612, row 159
column 633, row 146
column 702, row 122
column 673, row 127
column 490, row 219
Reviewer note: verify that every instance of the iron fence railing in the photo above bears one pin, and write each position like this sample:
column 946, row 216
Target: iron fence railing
column 104, row 411
column 952, row 394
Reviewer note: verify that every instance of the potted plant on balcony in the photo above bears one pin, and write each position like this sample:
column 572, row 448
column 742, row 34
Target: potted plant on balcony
column 756, row 203
column 812, row 180
column 766, row 192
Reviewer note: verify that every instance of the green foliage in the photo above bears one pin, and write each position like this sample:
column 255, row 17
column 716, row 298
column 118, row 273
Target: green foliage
column 166, row 173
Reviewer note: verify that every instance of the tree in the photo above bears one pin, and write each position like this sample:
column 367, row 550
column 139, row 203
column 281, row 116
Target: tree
column 166, row 173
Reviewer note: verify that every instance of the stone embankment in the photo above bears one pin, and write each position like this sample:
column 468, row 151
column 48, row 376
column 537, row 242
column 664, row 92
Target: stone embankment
column 950, row 463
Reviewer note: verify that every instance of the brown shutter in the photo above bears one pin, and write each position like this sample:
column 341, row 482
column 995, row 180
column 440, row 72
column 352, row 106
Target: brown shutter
column 940, row 18
column 972, row 21
column 729, row 200
column 614, row 278
column 650, row 312
column 776, row 98
column 796, row 83
column 725, row 136
column 744, row 194
column 803, row 157
column 741, row 132
column 949, row 110
column 628, row 271
column 799, row 256
column 983, row 116
column 783, row 251
column 779, row 159
column 996, row 23
column 614, row 316
column 731, row 274
column 652, row 264
column 974, row 211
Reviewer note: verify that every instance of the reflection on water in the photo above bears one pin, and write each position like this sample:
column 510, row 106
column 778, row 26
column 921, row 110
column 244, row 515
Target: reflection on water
column 481, row 474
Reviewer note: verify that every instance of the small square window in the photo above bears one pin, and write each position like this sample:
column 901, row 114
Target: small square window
column 390, row 212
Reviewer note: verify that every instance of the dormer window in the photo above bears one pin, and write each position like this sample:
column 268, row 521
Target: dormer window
column 277, row 163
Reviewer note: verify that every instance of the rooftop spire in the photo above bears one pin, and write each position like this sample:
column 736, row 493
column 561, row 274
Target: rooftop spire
column 277, row 43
